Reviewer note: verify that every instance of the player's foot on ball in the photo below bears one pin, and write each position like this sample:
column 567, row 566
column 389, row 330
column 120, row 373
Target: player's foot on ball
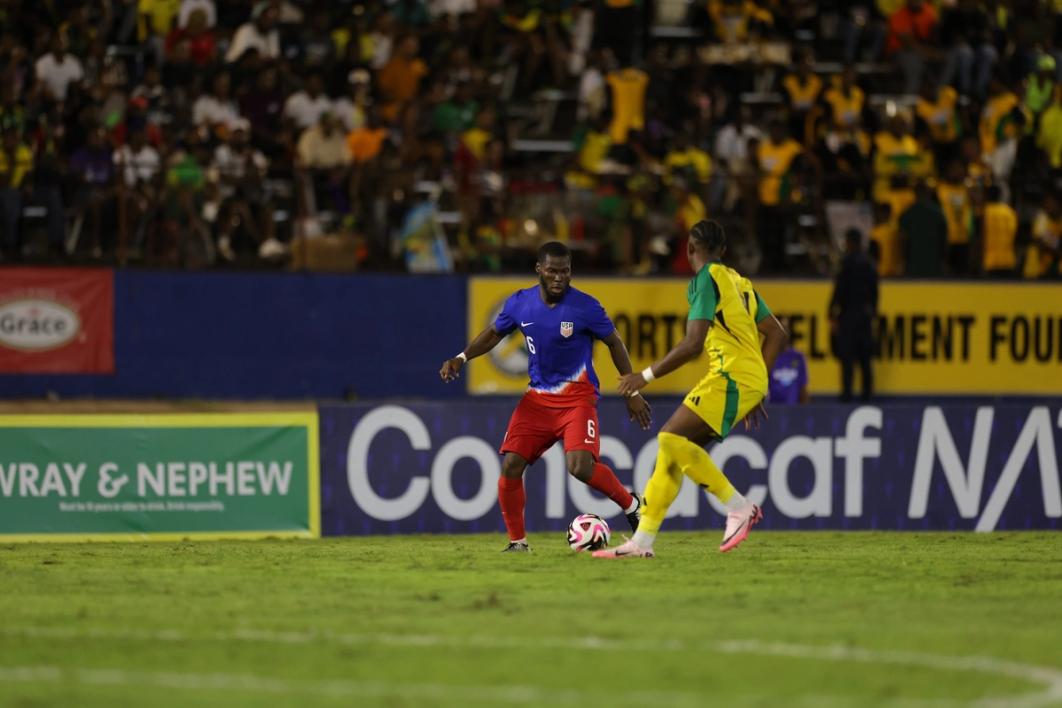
column 629, row 549
column 635, row 516
column 517, row 547
column 738, row 525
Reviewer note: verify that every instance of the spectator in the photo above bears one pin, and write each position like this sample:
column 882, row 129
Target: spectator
column 789, row 377
column 937, row 112
column 845, row 100
column 735, row 20
column 322, row 162
column 258, row 34
column 49, row 168
column 1049, row 134
column 863, row 28
column 155, row 19
column 262, row 106
column 628, row 102
column 734, row 161
column 688, row 162
column 1042, row 258
column 216, row 110
column 775, row 157
column 16, row 165
column 886, row 235
column 458, row 113
column 190, row 7
column 955, row 202
column 245, row 218
column 912, row 32
column 924, row 233
column 998, row 119
column 353, row 108
column 92, row 167
column 183, row 238
column 193, row 42
column 399, row 79
column 304, row 108
column 971, row 58
column 365, row 143
column 1000, row 227
column 139, row 169
column 896, row 152
column 853, row 309
column 802, row 88
column 316, row 46
column 1040, row 86
column 56, row 71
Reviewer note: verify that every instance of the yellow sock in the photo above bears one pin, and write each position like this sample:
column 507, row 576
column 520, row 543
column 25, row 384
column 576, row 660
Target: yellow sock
column 661, row 490
column 697, row 465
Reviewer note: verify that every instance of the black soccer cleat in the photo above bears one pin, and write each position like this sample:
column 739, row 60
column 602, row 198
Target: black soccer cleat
column 517, row 547
column 635, row 516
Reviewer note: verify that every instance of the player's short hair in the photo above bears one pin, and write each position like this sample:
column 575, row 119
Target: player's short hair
column 555, row 249
column 709, row 234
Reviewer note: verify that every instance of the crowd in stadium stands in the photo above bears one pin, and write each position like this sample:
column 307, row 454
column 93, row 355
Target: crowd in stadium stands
column 460, row 134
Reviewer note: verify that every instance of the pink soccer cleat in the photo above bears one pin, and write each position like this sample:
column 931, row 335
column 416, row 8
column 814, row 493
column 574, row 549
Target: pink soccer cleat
column 627, row 550
column 738, row 525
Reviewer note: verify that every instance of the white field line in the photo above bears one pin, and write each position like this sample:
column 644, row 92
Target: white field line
column 1047, row 679
column 339, row 688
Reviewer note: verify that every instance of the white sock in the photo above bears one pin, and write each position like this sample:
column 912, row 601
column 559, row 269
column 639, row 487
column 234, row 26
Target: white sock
column 737, row 503
column 520, row 540
column 634, row 505
column 643, row 539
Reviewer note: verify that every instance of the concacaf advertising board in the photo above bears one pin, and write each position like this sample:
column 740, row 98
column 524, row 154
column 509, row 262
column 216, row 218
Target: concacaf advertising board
column 930, row 337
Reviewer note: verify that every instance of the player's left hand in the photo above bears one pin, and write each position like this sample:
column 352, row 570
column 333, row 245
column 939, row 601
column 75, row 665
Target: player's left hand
column 639, row 410
column 629, row 383
column 756, row 416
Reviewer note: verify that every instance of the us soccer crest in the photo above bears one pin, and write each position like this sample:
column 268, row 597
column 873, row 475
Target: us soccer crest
column 567, row 328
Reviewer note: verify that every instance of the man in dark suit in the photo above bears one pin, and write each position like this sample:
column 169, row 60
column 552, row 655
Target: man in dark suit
column 852, row 311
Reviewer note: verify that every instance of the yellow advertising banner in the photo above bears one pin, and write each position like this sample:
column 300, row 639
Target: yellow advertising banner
column 931, row 337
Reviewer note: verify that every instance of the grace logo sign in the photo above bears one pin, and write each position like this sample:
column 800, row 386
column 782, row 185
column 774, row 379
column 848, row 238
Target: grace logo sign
column 37, row 324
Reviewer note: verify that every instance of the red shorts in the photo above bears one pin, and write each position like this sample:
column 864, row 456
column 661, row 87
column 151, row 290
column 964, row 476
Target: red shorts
column 535, row 426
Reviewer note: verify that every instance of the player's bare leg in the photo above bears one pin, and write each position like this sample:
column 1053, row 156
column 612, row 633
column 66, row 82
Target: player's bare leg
column 511, row 499
column 599, row 476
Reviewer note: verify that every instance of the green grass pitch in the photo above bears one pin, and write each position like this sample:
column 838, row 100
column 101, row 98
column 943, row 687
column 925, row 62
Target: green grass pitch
column 788, row 619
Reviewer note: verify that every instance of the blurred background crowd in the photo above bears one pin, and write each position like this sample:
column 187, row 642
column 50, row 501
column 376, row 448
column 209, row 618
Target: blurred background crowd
column 439, row 135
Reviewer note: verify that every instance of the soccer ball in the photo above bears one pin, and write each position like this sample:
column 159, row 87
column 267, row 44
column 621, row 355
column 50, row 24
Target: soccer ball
column 588, row 532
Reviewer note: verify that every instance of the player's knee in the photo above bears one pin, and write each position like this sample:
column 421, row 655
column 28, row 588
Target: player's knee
column 513, row 467
column 582, row 469
column 667, row 439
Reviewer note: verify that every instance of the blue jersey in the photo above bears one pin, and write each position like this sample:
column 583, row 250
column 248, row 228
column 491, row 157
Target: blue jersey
column 560, row 339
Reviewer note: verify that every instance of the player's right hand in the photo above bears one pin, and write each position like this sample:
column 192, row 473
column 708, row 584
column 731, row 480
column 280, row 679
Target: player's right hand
column 451, row 369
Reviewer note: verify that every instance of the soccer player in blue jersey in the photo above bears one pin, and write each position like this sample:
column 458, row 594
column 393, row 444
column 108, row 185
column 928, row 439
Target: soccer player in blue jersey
column 560, row 325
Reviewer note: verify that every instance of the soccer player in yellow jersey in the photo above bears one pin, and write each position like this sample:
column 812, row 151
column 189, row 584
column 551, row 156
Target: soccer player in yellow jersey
column 728, row 319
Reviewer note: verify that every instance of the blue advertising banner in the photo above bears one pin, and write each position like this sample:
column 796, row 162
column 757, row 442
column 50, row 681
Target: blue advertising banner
column 433, row 467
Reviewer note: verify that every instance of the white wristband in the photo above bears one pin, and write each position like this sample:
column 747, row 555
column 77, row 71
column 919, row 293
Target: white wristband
column 462, row 357
column 647, row 374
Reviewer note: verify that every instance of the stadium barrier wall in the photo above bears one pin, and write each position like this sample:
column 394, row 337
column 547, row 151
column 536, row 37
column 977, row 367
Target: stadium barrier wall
column 433, row 467
column 159, row 476
column 240, row 336
column 953, row 338
column 297, row 336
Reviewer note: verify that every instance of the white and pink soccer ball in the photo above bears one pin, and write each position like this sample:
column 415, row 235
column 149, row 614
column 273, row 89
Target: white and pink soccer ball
column 588, row 532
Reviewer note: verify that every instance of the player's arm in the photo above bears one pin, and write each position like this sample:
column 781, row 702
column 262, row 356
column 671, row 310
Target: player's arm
column 775, row 339
column 686, row 350
column 637, row 407
column 483, row 343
